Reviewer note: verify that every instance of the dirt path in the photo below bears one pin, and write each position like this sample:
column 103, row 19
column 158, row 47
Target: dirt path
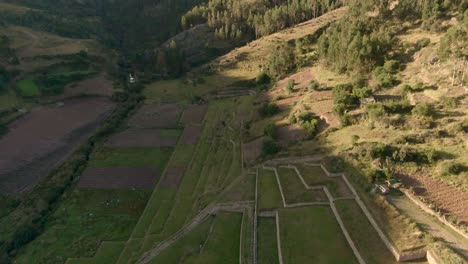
column 430, row 224
column 237, row 206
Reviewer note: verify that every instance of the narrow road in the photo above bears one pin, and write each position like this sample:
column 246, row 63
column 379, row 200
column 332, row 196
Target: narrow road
column 430, row 224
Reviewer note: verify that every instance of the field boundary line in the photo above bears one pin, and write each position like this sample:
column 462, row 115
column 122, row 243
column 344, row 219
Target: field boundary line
column 255, row 222
column 343, row 227
column 244, row 214
column 279, row 183
column 278, row 238
column 200, row 218
column 366, row 212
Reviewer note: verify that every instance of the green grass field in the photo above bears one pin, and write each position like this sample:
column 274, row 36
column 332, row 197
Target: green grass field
column 293, row 189
column 131, row 157
column 187, row 246
column 223, row 242
column 314, row 175
column 28, row 88
column 107, row 253
column 84, row 219
column 267, row 251
column 312, row 235
column 211, row 165
column 366, row 239
column 170, row 132
column 269, row 196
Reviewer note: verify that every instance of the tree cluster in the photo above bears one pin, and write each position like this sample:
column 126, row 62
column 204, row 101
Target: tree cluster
column 236, row 19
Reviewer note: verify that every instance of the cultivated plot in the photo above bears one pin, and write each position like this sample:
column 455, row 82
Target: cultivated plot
column 295, row 191
column 314, row 175
column 118, row 178
column 194, row 114
column 83, row 219
column 142, row 138
column 267, row 246
column 366, row 239
column 223, row 242
column 44, row 137
column 156, row 116
column 191, row 135
column 269, row 196
column 312, row 235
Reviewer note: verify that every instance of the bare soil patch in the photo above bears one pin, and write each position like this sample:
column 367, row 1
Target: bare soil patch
column 289, row 134
column 156, row 116
column 252, row 150
column 194, row 114
column 449, row 199
column 191, row 135
column 98, row 85
column 173, row 176
column 118, row 178
column 46, row 136
column 141, row 138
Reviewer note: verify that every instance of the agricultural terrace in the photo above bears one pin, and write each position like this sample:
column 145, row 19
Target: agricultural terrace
column 300, row 229
column 98, row 215
column 58, row 130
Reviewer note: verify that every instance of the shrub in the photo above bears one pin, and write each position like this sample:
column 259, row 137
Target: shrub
column 345, row 120
column 391, row 66
column 268, row 109
column 424, row 42
column 314, row 85
column 363, row 92
column 397, row 106
column 342, row 93
column 385, row 79
column 292, row 119
column 354, row 139
column 450, row 102
column 271, row 130
column 423, row 109
column 270, row 147
column 375, row 110
column 262, row 78
column 290, row 86
column 453, row 168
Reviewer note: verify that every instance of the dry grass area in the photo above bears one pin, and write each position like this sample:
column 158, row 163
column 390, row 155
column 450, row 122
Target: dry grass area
column 31, row 43
column 243, row 63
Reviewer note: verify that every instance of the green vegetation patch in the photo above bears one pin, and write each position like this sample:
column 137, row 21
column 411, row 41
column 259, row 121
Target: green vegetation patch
column 223, row 242
column 312, row 235
column 107, row 253
column 314, row 175
column 131, row 157
column 28, row 88
column 366, row 239
column 83, row 219
column 269, row 196
column 186, row 246
column 170, row 132
column 267, row 243
column 293, row 189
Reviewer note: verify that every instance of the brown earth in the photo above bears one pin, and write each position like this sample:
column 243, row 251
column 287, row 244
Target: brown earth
column 118, row 178
column 141, row 138
column 449, row 199
column 43, row 138
column 194, row 114
column 252, row 150
column 173, row 176
column 99, row 85
column 288, row 134
column 191, row 135
column 156, row 116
